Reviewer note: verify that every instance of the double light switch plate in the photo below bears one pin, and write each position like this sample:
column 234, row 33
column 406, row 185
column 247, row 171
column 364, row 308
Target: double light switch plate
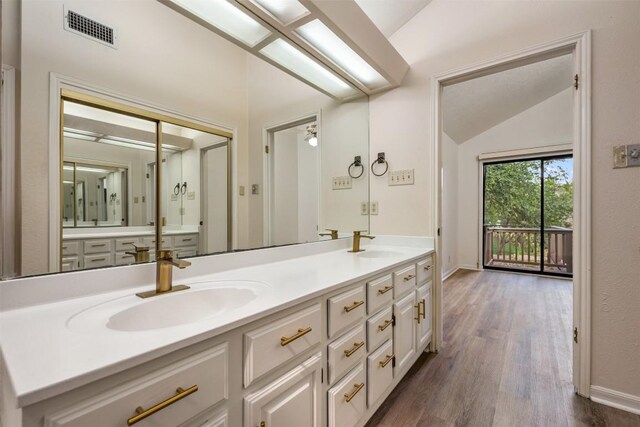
column 625, row 156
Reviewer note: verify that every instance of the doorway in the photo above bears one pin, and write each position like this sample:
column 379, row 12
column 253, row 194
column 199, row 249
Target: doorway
column 215, row 207
column 527, row 213
column 578, row 48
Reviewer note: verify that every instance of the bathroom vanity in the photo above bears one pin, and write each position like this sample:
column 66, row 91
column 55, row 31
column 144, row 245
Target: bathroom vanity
column 311, row 333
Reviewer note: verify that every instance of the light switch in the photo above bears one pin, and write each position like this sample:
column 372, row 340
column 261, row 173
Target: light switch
column 625, row 156
column 242, row 190
column 174, row 197
column 255, row 189
column 191, row 195
column 341, row 182
column 401, row 177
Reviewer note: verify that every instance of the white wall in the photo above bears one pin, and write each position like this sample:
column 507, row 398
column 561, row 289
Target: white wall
column 547, row 123
column 185, row 67
column 450, row 207
column 448, row 35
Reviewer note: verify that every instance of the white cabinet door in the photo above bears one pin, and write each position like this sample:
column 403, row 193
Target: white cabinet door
column 404, row 332
column 347, row 399
column 291, row 400
column 424, row 327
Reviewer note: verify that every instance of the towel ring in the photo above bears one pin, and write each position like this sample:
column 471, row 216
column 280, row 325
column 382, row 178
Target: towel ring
column 380, row 159
column 183, row 189
column 176, row 189
column 357, row 163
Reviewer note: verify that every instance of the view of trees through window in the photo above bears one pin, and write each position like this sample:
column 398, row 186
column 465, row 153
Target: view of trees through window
column 520, row 199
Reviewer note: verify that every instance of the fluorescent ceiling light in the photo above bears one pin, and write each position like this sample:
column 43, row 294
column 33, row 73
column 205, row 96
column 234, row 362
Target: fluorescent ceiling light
column 228, row 18
column 336, row 50
column 286, row 11
column 117, row 141
column 292, row 59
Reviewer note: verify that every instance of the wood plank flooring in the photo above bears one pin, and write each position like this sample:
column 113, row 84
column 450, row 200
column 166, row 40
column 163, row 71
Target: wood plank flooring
column 506, row 361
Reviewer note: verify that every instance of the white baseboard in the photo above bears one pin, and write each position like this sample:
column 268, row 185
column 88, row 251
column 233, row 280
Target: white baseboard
column 449, row 273
column 616, row 399
column 469, row 267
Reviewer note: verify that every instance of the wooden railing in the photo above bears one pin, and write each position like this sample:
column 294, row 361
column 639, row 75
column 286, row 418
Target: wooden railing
column 523, row 248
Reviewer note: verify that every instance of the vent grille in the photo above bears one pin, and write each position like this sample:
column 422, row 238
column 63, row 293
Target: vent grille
column 90, row 28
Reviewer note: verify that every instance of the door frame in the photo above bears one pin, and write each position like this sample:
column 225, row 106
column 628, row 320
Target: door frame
column 579, row 45
column 8, row 209
column 267, row 172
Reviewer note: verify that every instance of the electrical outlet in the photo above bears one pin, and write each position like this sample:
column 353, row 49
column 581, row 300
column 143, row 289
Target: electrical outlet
column 401, row 177
column 341, row 182
column 374, row 208
column 255, row 189
column 242, row 190
column 174, row 197
column 364, row 208
column 633, row 155
column 625, row 156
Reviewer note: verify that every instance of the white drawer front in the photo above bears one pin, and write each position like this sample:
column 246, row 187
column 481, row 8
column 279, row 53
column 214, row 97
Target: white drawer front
column 379, row 293
column 97, row 246
column 70, row 247
column 207, row 370
column 186, row 252
column 126, row 244
column 425, row 270
column 345, row 352
column 379, row 328
column 345, row 309
column 97, row 260
column 343, row 413
column 188, row 240
column 167, row 242
column 294, row 399
column 124, row 259
column 279, row 341
column 404, row 280
column 70, row 263
column 379, row 372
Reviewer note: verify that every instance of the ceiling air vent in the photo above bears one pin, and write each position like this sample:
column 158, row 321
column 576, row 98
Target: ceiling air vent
column 89, row 28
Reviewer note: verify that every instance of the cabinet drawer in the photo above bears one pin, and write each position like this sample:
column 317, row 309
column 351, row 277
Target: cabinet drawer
column 70, row 248
column 123, row 258
column 97, row 246
column 205, row 372
column 98, row 260
column 345, row 309
column 167, row 242
column 404, row 280
column 279, row 341
column 345, row 352
column 70, row 263
column 379, row 372
column 379, row 293
column 294, row 399
column 188, row 240
column 186, row 252
column 126, row 244
column 425, row 270
column 379, row 328
column 347, row 399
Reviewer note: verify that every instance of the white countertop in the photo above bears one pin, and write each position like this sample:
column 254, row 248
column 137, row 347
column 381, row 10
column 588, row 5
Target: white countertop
column 44, row 357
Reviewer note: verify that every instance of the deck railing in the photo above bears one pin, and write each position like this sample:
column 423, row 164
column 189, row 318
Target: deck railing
column 523, row 248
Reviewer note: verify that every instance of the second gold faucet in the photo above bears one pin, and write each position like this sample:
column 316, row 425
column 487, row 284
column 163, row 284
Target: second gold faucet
column 164, row 274
column 357, row 235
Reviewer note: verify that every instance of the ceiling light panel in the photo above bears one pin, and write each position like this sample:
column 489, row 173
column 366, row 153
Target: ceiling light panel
column 285, row 11
column 337, row 51
column 227, row 18
column 292, row 59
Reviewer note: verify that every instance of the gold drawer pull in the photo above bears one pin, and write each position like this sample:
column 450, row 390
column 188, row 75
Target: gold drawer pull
column 384, row 290
column 356, row 389
column 355, row 305
column 144, row 413
column 386, row 361
column 302, row 331
column 95, row 245
column 428, row 267
column 356, row 346
column 385, row 325
column 98, row 259
column 187, row 240
column 409, row 277
column 424, row 307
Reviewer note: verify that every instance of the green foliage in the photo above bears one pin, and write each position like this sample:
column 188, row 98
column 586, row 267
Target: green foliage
column 512, row 194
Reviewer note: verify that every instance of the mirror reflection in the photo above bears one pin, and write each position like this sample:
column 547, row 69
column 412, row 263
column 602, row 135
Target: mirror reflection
column 251, row 156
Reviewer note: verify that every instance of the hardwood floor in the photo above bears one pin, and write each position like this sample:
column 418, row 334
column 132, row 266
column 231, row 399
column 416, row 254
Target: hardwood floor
column 506, row 361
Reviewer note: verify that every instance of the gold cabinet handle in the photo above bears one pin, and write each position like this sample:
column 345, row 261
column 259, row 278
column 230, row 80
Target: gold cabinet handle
column 355, row 305
column 384, row 290
column 418, row 316
column 385, row 325
column 386, row 361
column 356, row 389
column 428, row 267
column 409, row 277
column 356, row 346
column 302, row 331
column 144, row 413
column 424, row 307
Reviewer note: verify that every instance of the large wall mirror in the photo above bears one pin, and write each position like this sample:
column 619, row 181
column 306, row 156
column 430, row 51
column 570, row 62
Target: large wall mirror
column 251, row 156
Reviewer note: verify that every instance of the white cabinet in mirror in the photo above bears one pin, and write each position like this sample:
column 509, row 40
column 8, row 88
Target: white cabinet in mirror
column 264, row 175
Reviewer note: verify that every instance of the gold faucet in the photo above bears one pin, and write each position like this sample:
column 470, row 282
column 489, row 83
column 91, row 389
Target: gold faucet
column 164, row 274
column 333, row 234
column 356, row 241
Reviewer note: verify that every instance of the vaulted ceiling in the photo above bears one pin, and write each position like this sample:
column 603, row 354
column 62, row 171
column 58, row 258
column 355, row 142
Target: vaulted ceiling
column 390, row 15
column 477, row 105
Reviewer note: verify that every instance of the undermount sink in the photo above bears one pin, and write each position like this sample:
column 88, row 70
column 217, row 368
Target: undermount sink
column 204, row 300
column 378, row 254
